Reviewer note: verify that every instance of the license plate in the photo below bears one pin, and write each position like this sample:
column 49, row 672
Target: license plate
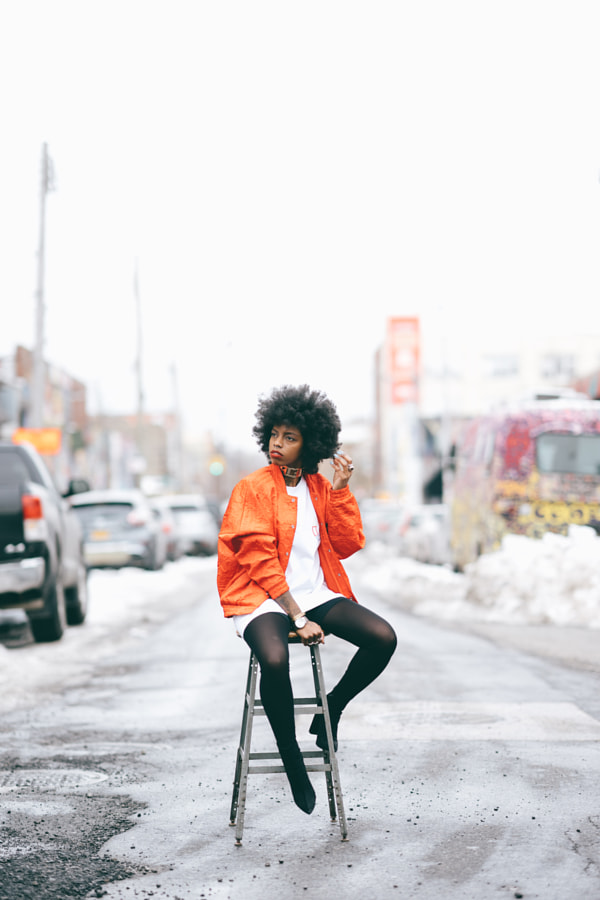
column 100, row 535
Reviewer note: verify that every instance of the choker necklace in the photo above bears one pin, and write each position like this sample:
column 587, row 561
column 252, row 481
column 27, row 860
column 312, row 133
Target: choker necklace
column 289, row 472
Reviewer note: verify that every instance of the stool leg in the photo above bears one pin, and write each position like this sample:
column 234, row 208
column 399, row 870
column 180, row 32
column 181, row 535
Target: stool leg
column 334, row 788
column 240, row 782
column 320, row 695
column 240, row 749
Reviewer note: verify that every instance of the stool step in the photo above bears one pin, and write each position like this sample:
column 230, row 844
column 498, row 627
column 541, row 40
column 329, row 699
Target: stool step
column 264, row 770
column 304, row 710
column 273, row 754
column 298, row 701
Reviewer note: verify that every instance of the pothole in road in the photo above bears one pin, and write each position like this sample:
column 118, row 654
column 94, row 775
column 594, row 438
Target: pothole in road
column 44, row 807
column 48, row 779
column 45, row 856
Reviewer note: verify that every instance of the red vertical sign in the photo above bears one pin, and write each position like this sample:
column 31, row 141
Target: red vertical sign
column 403, row 359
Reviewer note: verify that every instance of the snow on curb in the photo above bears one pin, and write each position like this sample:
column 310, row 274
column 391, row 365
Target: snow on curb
column 555, row 580
column 122, row 606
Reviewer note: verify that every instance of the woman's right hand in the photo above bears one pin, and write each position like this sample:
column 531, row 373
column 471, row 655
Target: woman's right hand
column 311, row 633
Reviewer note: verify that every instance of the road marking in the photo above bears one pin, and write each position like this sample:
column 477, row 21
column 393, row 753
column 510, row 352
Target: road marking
column 453, row 721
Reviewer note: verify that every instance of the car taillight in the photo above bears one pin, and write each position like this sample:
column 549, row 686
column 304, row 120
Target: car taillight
column 34, row 524
column 137, row 519
column 32, row 507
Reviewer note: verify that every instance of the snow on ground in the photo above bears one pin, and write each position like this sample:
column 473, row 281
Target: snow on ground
column 123, row 606
column 555, row 580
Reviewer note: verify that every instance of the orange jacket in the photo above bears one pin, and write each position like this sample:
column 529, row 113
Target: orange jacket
column 258, row 531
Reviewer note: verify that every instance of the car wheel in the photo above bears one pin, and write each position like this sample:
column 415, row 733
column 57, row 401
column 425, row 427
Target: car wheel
column 50, row 625
column 76, row 597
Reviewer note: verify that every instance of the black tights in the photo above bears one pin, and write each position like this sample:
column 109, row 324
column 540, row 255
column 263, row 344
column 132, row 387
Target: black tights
column 267, row 636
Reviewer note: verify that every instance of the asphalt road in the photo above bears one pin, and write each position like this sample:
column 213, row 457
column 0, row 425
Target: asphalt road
column 469, row 770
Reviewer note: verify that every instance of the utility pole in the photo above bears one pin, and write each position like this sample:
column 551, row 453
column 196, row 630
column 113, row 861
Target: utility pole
column 37, row 393
column 139, row 462
column 178, row 467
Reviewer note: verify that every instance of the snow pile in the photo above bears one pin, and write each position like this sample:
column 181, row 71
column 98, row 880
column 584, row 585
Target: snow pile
column 555, row 580
column 132, row 598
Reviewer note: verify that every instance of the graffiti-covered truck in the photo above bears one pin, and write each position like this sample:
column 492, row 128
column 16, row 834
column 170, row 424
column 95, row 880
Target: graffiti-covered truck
column 527, row 470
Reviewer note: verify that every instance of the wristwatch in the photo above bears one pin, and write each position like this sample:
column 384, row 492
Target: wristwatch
column 300, row 622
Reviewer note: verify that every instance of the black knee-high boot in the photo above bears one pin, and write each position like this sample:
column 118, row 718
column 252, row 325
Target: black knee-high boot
column 317, row 726
column 302, row 790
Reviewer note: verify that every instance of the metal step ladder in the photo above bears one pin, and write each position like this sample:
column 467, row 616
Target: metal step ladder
column 315, row 760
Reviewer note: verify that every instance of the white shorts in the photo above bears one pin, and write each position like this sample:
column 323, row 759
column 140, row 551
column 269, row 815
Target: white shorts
column 317, row 598
column 268, row 605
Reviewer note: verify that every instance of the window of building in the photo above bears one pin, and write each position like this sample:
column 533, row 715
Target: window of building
column 500, row 365
column 558, row 366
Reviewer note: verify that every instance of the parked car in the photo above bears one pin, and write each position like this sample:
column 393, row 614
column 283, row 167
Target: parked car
column 166, row 520
column 120, row 529
column 426, row 534
column 194, row 523
column 42, row 567
column 383, row 521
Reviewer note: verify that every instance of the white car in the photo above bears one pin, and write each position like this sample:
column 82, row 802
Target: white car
column 195, row 525
column 426, row 536
column 166, row 520
column 384, row 521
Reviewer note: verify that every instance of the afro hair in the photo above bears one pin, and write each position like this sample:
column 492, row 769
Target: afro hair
column 311, row 412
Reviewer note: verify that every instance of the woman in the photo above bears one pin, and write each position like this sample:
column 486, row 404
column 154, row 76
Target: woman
column 284, row 532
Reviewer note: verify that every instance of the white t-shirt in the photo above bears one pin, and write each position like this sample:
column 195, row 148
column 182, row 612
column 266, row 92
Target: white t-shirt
column 303, row 573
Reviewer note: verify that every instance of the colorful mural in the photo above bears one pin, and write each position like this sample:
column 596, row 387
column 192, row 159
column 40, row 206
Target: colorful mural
column 501, row 485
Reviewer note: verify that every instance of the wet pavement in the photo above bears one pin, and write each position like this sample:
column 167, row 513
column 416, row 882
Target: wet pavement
column 469, row 770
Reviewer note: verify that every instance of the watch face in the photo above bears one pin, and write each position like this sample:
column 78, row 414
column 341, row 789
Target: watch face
column 300, row 622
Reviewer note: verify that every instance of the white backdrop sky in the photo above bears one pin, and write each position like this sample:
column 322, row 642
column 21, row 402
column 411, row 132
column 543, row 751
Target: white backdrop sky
column 289, row 175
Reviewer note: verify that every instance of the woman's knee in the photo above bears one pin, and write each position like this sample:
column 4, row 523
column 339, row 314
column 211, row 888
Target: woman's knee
column 390, row 640
column 274, row 659
column 384, row 638
column 268, row 640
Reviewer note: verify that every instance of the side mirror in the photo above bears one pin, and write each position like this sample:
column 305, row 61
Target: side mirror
column 77, row 486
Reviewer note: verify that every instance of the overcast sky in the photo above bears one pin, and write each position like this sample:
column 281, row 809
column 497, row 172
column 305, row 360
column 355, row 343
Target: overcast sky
column 288, row 176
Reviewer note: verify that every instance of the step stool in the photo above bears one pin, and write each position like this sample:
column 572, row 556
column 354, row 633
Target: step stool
column 327, row 761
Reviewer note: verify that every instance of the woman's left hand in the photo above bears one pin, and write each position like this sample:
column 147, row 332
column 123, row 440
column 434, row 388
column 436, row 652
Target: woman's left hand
column 343, row 468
